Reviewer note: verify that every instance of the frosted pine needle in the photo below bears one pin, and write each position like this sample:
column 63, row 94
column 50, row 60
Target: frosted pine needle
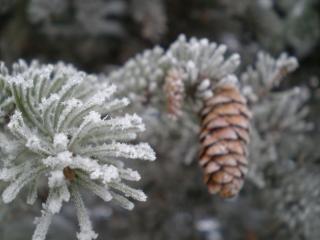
column 66, row 127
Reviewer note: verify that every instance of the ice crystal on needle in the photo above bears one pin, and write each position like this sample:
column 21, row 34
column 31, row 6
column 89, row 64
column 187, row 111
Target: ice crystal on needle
column 66, row 127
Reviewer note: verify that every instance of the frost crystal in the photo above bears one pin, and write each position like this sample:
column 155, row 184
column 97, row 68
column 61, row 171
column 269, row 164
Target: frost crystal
column 66, row 128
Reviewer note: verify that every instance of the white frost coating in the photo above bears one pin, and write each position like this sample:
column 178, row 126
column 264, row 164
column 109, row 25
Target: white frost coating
column 129, row 174
column 266, row 74
column 57, row 195
column 9, row 174
column 106, row 173
column 92, row 120
column 46, row 102
column 139, row 151
column 73, row 103
column 20, row 80
column 60, row 142
column 109, row 173
column 128, row 191
column 61, row 160
column 94, row 117
column 204, row 85
column 139, row 72
column 65, row 127
column 97, row 189
column 204, row 90
column 116, row 104
column 115, row 136
column 128, row 121
column 33, row 193
column 122, row 201
column 34, row 144
column 100, row 97
column 86, row 232
column 43, row 224
column 192, row 70
column 56, row 179
column 10, row 193
column 230, row 79
column 17, row 126
column 285, row 110
column 199, row 58
column 69, row 106
column 84, row 163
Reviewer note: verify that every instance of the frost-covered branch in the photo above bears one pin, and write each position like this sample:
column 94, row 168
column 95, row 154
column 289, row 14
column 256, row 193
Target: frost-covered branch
column 172, row 78
column 66, row 127
column 196, row 59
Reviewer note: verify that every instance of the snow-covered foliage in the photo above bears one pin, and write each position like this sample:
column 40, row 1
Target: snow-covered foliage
column 66, row 129
column 65, row 125
column 201, row 59
column 140, row 76
column 277, row 115
column 267, row 73
column 143, row 79
column 197, row 60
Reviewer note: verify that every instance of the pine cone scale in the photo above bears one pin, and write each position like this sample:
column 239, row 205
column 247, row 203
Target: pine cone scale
column 243, row 134
column 233, row 171
column 221, row 177
column 211, row 136
column 221, row 133
column 227, row 160
column 212, row 167
column 228, row 111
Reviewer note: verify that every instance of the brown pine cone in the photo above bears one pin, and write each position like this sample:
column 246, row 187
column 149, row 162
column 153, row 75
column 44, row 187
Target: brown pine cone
column 174, row 91
column 224, row 138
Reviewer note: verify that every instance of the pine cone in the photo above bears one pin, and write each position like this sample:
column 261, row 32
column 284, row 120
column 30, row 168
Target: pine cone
column 174, row 91
column 224, row 137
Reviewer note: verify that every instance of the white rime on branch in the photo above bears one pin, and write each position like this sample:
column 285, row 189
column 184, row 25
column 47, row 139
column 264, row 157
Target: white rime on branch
column 196, row 59
column 278, row 115
column 279, row 126
column 66, row 127
column 203, row 65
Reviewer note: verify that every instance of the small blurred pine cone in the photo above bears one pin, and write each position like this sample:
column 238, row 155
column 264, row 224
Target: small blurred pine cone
column 174, row 91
